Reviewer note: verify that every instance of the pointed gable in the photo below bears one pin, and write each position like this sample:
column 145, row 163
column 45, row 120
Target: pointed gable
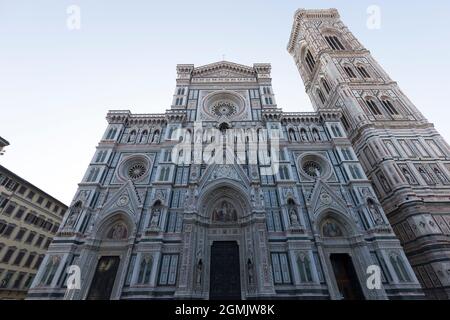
column 324, row 197
column 126, row 199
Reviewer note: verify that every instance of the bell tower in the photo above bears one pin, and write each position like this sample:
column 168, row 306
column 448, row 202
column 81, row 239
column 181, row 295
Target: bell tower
column 403, row 155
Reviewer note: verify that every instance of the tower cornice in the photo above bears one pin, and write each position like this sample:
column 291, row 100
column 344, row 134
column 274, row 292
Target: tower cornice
column 303, row 14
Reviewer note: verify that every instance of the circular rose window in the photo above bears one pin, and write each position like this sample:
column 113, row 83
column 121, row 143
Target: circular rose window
column 224, row 109
column 137, row 170
column 312, row 168
column 134, row 168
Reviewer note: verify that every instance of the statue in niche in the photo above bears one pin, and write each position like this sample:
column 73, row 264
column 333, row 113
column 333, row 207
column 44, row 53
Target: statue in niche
column 198, row 272
column 250, row 272
column 294, row 218
column 118, row 232
column 303, row 135
column 155, row 219
column 156, row 137
column 132, row 137
column 292, row 135
column 409, row 178
column 316, row 135
column 225, row 212
column 331, row 229
column 375, row 212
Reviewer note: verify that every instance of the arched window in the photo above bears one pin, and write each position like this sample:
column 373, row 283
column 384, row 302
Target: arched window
column 349, row 71
column 284, row 173
column 371, row 104
column 111, row 133
column 334, row 43
column 164, row 174
column 310, row 61
column 50, row 270
column 304, row 268
column 336, row 131
column 326, row 85
column 145, row 270
column 363, row 72
column 389, row 107
column 400, row 269
column 321, row 96
column 355, row 172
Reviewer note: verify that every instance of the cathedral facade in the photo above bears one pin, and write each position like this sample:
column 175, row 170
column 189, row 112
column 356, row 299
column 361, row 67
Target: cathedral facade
column 225, row 196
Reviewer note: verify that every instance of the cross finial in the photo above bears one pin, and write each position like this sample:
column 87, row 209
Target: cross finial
column 223, row 57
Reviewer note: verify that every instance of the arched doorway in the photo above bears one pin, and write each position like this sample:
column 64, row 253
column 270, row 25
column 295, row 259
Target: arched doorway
column 114, row 234
column 345, row 283
column 224, row 243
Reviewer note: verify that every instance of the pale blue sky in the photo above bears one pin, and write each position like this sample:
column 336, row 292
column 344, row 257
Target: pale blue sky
column 56, row 85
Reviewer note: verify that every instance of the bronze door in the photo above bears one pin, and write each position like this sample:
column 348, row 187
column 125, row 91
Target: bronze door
column 104, row 277
column 225, row 280
column 346, row 277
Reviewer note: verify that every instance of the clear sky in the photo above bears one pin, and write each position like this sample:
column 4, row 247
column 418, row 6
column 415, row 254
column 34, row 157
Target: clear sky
column 57, row 84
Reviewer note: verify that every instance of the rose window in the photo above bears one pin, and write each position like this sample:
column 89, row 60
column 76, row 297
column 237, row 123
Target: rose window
column 137, row 170
column 312, row 168
column 224, row 109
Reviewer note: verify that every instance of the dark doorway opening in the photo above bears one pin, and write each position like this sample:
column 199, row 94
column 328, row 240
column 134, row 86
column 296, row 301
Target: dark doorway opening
column 346, row 277
column 225, row 280
column 104, row 277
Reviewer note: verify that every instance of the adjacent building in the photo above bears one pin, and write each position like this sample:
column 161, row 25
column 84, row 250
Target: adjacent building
column 29, row 219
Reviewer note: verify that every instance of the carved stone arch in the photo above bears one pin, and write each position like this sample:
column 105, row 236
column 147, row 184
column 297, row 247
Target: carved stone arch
column 346, row 225
column 224, row 190
column 102, row 229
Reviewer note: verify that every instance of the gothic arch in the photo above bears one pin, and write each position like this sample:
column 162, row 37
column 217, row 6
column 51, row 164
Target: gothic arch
column 329, row 31
column 348, row 227
column 105, row 225
column 224, row 190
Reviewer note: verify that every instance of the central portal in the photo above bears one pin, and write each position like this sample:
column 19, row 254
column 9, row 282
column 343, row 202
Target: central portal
column 225, row 280
column 346, row 277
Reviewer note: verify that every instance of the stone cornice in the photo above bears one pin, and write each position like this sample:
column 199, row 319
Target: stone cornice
column 302, row 14
column 221, row 65
column 126, row 117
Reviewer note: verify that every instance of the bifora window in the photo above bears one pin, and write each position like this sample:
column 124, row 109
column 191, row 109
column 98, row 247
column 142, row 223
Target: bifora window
column 334, row 43
column 310, row 61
